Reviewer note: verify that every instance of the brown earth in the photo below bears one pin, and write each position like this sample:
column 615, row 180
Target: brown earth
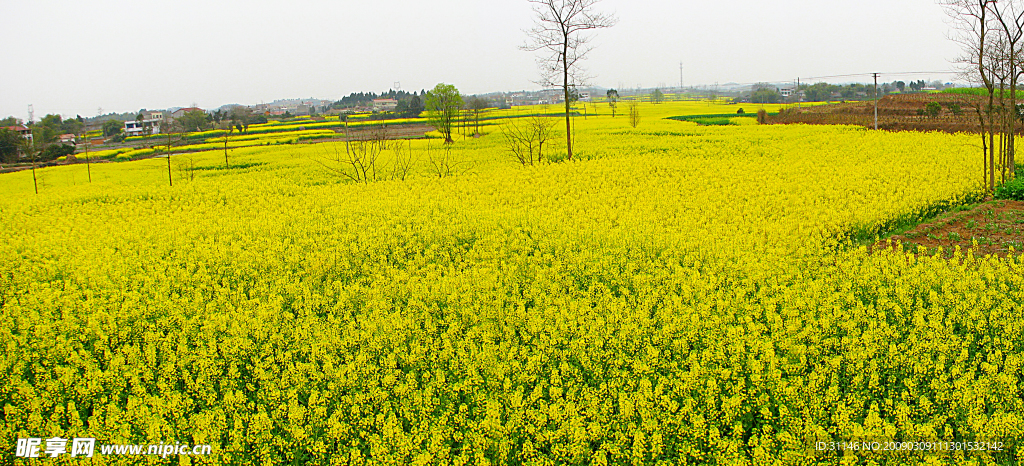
column 403, row 131
column 895, row 113
column 991, row 227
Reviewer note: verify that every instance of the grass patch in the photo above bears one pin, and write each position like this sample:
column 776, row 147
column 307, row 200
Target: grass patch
column 717, row 119
column 867, row 235
column 1013, row 189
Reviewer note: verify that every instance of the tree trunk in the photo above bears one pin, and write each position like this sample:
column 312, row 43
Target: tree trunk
column 1012, row 124
column 984, row 145
column 991, row 135
column 565, row 90
column 992, row 159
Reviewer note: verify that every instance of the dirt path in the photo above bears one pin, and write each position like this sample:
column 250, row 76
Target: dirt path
column 991, row 227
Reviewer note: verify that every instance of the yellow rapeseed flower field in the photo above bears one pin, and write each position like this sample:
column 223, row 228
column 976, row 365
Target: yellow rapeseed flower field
column 676, row 294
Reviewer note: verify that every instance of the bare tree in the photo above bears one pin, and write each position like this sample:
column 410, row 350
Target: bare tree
column 226, row 134
column 187, row 167
column 88, row 167
column 992, row 37
column 634, row 113
column 359, row 162
column 32, row 148
column 1011, row 23
column 525, row 140
column 404, row 159
column 175, row 134
column 443, row 163
column 561, row 33
column 476, row 105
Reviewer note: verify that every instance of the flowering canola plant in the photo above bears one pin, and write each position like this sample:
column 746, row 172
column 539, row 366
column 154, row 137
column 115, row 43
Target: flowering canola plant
column 679, row 295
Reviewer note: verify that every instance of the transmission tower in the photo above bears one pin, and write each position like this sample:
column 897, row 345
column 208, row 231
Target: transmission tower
column 680, row 76
column 31, row 114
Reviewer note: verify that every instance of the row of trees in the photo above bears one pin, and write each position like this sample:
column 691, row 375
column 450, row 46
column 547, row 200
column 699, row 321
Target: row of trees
column 822, row 92
column 43, row 144
column 365, row 99
column 51, row 124
column 992, row 36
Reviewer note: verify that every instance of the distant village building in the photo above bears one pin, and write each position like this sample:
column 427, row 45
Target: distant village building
column 149, row 124
column 153, row 115
column 786, row 91
column 68, row 139
column 23, row 131
column 139, row 128
column 182, row 111
column 384, row 105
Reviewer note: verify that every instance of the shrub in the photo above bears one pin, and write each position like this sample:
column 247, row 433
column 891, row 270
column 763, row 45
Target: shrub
column 740, row 111
column 1013, row 190
column 762, row 116
column 712, row 121
column 932, row 109
column 55, row 151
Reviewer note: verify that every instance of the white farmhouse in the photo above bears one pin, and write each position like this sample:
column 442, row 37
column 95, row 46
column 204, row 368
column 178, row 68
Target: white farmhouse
column 384, row 105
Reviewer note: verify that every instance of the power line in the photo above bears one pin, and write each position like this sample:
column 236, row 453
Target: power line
column 926, row 72
column 840, row 76
column 851, row 75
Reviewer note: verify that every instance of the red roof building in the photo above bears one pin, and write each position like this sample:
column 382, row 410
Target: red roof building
column 23, row 131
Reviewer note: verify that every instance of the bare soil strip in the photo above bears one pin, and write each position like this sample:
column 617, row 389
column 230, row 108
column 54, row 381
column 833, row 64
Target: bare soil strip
column 991, row 227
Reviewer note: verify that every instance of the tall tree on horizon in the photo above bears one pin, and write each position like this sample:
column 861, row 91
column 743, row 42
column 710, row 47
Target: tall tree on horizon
column 560, row 32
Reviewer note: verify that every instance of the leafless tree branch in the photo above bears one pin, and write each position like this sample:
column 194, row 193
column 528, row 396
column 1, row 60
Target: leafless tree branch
column 561, row 34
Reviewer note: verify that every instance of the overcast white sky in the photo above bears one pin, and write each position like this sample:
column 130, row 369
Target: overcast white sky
column 76, row 57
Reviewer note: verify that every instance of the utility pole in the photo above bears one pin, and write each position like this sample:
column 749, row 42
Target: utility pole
column 87, row 144
column 875, row 75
